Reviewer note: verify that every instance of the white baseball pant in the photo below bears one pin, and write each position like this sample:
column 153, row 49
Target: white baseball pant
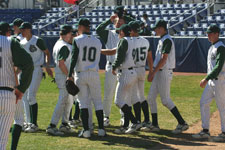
column 214, row 89
column 19, row 115
column 126, row 79
column 161, row 84
column 90, row 89
column 65, row 101
column 138, row 94
column 29, row 97
column 7, row 110
column 109, row 89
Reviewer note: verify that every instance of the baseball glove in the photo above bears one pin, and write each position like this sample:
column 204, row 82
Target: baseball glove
column 71, row 87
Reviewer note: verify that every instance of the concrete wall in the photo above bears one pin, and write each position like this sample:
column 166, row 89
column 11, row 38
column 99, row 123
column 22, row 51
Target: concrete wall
column 21, row 4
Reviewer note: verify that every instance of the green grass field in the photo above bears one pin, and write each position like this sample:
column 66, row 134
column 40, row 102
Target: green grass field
column 185, row 93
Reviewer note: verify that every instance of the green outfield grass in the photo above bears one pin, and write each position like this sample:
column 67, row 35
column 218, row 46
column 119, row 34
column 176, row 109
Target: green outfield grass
column 185, row 92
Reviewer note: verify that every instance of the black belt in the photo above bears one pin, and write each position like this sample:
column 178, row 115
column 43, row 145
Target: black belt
column 216, row 78
column 162, row 69
column 110, row 63
column 131, row 68
column 6, row 88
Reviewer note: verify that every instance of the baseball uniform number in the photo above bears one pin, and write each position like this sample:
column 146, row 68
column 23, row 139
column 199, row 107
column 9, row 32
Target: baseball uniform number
column 139, row 54
column 91, row 54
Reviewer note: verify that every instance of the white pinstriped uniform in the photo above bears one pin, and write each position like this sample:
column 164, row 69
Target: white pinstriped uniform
column 65, row 101
column 141, row 46
column 162, row 79
column 126, row 77
column 214, row 89
column 86, row 71
column 7, row 98
column 29, row 97
column 110, row 79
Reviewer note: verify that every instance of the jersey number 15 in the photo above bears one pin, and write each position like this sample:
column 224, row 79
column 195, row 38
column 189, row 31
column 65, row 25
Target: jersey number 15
column 139, row 54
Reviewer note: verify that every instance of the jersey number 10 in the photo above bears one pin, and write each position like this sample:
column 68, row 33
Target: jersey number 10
column 91, row 52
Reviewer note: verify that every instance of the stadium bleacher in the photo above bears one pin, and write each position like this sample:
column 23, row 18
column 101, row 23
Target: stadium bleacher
column 8, row 15
column 99, row 14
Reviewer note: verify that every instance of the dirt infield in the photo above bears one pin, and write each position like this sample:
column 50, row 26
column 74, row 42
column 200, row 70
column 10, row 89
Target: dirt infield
column 186, row 142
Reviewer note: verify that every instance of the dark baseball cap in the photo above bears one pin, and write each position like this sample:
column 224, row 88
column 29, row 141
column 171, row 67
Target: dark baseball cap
column 4, row 27
column 25, row 25
column 119, row 9
column 84, row 22
column 134, row 25
column 213, row 28
column 160, row 23
column 125, row 28
column 17, row 22
column 64, row 29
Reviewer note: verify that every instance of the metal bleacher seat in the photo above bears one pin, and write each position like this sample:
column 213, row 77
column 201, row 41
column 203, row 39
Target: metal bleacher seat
column 200, row 33
column 155, row 7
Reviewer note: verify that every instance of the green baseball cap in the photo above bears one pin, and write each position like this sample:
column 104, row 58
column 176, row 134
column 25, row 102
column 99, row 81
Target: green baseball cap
column 25, row 25
column 134, row 25
column 160, row 23
column 84, row 22
column 64, row 29
column 17, row 22
column 119, row 9
column 125, row 28
column 213, row 28
column 4, row 27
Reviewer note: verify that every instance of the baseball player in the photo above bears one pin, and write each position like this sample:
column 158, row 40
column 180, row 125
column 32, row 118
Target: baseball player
column 111, row 39
column 62, row 57
column 16, row 24
column 11, row 54
column 214, row 84
column 19, row 112
column 85, row 59
column 161, row 77
column 36, row 48
column 124, row 64
column 141, row 52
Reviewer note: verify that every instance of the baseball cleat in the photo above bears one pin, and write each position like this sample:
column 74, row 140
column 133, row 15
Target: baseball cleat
column 101, row 132
column 66, row 129
column 180, row 128
column 121, row 130
column 78, row 122
column 219, row 138
column 201, row 135
column 122, row 121
column 106, row 122
column 31, row 129
column 25, row 126
column 133, row 128
column 54, row 131
column 72, row 124
column 85, row 134
column 146, row 124
column 151, row 128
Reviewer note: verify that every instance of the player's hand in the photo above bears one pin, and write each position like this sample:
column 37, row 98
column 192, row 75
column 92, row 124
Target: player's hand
column 203, row 83
column 113, row 17
column 70, row 78
column 150, row 77
column 49, row 71
column 18, row 94
column 114, row 72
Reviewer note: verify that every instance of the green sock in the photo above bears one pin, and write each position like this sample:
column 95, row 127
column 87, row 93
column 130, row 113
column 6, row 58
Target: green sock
column 154, row 119
column 144, row 106
column 126, row 110
column 16, row 131
column 99, row 115
column 137, row 111
column 34, row 109
column 84, row 118
column 31, row 114
column 177, row 115
column 77, row 111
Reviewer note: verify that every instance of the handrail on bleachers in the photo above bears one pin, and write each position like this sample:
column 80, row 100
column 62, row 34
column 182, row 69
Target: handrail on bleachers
column 205, row 9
